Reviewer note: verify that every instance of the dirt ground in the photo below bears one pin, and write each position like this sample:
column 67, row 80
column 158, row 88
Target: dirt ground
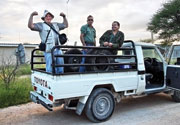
column 156, row 109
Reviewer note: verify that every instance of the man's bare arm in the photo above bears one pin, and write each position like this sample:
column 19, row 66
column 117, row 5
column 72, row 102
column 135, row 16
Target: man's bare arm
column 30, row 22
column 65, row 21
column 82, row 39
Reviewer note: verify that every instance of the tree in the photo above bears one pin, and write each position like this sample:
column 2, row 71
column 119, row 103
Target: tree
column 166, row 22
column 7, row 70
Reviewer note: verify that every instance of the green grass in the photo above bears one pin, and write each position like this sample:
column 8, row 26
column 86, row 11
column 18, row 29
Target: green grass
column 18, row 93
column 24, row 70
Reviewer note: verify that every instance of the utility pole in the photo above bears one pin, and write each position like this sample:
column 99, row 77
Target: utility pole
column 152, row 36
column 19, row 37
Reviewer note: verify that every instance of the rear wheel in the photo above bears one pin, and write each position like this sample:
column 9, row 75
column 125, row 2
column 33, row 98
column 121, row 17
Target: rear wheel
column 176, row 96
column 100, row 105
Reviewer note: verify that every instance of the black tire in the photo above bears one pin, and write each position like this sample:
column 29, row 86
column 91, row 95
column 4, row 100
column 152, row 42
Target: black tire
column 72, row 60
column 96, row 60
column 176, row 96
column 100, row 105
column 89, row 60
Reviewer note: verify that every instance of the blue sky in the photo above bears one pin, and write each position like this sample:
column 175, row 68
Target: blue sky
column 132, row 14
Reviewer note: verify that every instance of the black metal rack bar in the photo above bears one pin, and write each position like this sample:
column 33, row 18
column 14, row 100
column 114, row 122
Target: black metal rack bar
column 97, row 64
column 78, row 55
column 65, row 48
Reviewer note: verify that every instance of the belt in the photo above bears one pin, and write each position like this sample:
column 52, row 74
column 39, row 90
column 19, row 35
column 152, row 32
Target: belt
column 91, row 43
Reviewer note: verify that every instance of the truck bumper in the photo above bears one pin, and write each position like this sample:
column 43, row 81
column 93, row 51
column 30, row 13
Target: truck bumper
column 36, row 98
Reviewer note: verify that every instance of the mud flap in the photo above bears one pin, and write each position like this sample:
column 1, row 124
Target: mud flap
column 81, row 104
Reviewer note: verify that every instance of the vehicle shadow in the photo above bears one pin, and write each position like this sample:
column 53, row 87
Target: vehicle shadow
column 130, row 108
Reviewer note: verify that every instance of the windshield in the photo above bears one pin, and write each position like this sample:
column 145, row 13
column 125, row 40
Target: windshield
column 175, row 55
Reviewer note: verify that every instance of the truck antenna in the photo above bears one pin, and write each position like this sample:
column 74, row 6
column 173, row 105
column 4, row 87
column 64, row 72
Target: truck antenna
column 67, row 13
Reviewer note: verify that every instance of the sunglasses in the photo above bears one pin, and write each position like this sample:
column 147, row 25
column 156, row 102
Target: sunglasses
column 90, row 19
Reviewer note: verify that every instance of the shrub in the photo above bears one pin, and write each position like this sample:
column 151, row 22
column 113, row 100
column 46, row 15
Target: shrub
column 17, row 93
column 24, row 69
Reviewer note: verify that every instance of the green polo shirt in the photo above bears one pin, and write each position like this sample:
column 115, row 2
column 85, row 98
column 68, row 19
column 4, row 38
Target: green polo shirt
column 89, row 33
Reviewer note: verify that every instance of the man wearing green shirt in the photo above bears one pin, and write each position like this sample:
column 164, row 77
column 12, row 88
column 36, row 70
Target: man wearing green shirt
column 88, row 33
column 88, row 38
column 112, row 38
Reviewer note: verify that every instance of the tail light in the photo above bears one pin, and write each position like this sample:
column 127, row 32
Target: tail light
column 35, row 88
column 50, row 97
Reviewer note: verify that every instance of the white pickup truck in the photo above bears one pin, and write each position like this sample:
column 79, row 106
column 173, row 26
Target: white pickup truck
column 134, row 69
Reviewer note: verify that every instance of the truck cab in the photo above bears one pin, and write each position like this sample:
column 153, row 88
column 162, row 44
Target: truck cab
column 154, row 67
column 137, row 69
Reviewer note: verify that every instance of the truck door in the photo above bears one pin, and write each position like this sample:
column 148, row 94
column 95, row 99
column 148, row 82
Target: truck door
column 173, row 68
column 173, row 76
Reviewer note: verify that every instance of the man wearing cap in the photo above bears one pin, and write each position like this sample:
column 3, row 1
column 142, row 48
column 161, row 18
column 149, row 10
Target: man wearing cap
column 51, row 37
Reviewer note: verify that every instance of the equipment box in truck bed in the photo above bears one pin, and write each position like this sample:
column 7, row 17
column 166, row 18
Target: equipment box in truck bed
column 109, row 75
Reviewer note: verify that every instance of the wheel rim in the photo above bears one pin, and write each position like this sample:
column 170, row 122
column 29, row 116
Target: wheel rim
column 101, row 106
column 74, row 60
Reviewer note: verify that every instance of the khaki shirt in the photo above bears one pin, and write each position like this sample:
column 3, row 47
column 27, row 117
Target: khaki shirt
column 53, row 37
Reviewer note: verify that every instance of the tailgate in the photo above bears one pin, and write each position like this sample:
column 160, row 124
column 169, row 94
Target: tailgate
column 42, row 85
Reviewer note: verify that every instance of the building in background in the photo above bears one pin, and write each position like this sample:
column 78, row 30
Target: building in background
column 8, row 52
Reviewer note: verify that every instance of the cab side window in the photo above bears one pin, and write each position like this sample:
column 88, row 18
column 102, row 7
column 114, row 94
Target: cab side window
column 151, row 53
column 175, row 56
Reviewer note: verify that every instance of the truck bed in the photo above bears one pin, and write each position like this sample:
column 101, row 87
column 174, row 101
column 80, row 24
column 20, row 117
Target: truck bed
column 76, row 85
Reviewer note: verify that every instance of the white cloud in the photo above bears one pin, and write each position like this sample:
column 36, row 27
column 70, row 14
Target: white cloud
column 132, row 14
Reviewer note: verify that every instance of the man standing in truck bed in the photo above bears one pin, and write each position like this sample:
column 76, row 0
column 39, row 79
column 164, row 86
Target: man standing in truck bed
column 88, row 33
column 49, row 37
column 87, row 37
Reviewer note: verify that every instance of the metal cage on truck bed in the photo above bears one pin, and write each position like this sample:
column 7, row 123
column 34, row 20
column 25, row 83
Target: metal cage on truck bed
column 97, row 59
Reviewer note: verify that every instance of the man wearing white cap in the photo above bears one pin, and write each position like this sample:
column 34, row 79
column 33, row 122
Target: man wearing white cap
column 49, row 37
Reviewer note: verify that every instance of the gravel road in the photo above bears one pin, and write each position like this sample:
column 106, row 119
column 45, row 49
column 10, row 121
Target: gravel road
column 156, row 109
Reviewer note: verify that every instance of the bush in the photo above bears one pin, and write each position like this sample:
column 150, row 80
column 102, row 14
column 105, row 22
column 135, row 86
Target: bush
column 17, row 93
column 24, row 70
column 8, row 71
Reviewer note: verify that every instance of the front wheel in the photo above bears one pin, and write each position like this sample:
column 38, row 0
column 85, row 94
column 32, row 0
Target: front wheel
column 100, row 105
column 176, row 96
